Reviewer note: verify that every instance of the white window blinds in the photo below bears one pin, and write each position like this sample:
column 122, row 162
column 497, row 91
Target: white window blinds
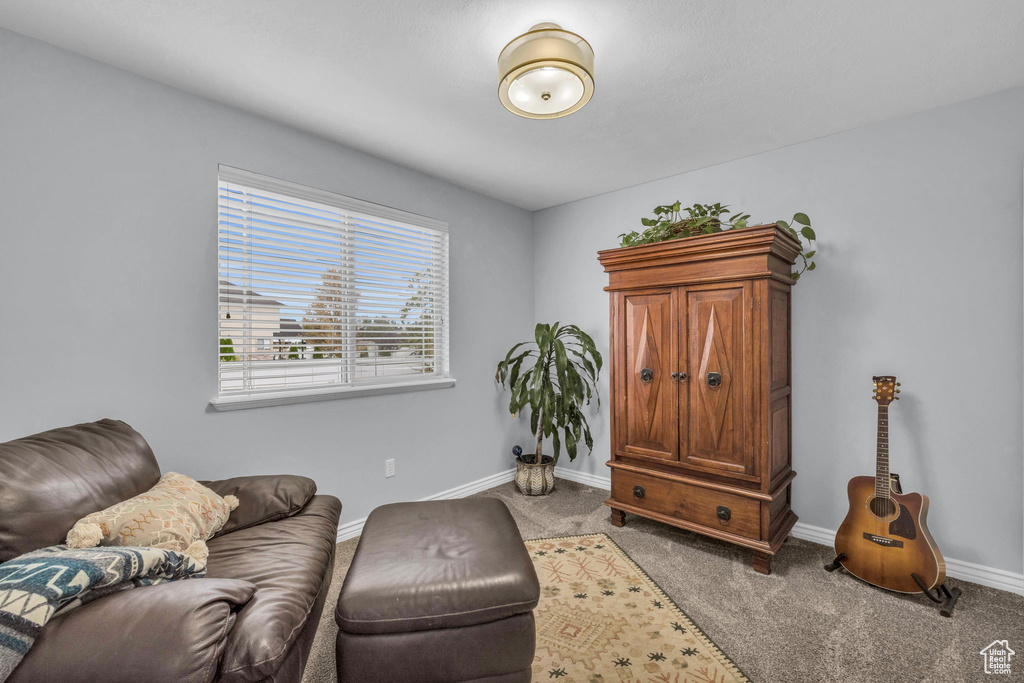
column 320, row 291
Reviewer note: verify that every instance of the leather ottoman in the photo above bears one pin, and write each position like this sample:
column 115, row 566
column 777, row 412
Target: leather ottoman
column 437, row 592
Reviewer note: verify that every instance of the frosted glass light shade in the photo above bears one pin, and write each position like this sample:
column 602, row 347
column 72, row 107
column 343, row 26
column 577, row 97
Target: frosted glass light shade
column 547, row 90
column 546, row 73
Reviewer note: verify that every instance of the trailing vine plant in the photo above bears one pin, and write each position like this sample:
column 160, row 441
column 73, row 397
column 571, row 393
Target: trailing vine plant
column 673, row 221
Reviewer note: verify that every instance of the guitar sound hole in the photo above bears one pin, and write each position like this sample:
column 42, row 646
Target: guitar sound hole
column 883, row 507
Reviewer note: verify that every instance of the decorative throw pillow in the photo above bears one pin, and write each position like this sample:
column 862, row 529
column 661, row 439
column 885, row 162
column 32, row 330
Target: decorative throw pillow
column 178, row 514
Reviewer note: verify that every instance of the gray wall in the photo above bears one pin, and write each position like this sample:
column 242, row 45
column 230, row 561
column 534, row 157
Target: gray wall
column 108, row 286
column 919, row 275
column 107, row 272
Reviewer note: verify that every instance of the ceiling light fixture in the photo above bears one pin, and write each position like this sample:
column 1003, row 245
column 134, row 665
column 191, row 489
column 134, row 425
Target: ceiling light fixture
column 546, row 73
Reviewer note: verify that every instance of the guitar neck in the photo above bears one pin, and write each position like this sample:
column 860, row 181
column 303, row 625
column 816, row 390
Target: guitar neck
column 882, row 485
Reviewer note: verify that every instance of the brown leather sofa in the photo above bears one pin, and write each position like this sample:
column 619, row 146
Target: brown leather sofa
column 252, row 618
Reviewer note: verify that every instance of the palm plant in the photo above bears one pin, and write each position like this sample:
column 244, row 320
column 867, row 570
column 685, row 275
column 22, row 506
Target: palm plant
column 554, row 376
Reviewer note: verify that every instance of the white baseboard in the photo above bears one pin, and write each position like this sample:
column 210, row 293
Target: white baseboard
column 986, row 576
column 958, row 569
column 814, row 534
column 354, row 528
column 475, row 486
column 350, row 529
column 595, row 480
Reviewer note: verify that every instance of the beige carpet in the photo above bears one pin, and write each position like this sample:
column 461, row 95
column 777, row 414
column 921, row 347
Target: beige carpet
column 799, row 624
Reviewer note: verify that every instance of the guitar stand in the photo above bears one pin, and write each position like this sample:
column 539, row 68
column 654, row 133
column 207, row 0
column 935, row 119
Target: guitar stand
column 942, row 596
column 836, row 563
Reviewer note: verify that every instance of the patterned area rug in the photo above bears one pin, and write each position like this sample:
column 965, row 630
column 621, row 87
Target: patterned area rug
column 601, row 619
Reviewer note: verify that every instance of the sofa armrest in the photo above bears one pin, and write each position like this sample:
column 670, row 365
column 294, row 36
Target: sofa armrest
column 170, row 632
column 263, row 498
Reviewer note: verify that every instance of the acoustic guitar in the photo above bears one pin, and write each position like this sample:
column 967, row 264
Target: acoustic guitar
column 884, row 539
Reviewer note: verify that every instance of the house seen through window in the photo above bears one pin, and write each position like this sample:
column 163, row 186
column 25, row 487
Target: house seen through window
column 317, row 290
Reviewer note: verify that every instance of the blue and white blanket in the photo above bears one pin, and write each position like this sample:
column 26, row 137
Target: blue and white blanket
column 38, row 585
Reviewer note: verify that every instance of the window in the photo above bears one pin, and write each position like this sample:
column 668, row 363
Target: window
column 321, row 295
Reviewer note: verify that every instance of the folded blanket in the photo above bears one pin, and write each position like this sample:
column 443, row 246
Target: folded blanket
column 38, row 585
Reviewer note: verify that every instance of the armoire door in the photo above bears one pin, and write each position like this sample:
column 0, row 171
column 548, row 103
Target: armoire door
column 647, row 421
column 717, row 423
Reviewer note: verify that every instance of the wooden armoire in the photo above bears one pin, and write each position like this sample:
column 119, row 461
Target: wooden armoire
column 700, row 385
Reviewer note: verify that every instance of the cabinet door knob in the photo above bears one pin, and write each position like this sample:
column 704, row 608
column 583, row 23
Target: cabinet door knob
column 638, row 491
column 646, row 375
column 714, row 379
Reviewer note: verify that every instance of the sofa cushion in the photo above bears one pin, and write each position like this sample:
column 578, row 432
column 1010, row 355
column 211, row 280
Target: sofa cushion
column 437, row 564
column 289, row 561
column 263, row 498
column 171, row 632
column 50, row 480
column 178, row 514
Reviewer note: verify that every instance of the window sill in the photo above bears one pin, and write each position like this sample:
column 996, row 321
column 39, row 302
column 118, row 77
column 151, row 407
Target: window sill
column 222, row 403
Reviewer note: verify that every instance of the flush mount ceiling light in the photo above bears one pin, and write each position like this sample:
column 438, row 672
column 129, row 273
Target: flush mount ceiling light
column 546, row 73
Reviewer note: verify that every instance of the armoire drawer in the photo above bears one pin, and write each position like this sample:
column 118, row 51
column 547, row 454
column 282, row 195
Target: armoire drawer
column 690, row 503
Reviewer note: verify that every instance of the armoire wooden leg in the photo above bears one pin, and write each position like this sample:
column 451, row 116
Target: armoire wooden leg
column 618, row 517
column 762, row 562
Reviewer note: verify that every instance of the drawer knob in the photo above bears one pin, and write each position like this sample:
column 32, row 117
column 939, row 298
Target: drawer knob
column 638, row 491
column 723, row 513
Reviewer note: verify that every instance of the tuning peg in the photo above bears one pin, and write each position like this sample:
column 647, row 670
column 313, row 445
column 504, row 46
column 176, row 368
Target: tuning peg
column 898, row 384
column 897, row 391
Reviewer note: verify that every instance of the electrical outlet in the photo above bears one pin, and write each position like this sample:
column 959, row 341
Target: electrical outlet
column 389, row 468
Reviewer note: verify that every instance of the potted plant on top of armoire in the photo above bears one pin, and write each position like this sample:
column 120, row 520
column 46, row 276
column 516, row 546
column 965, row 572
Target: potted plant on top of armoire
column 675, row 221
column 553, row 376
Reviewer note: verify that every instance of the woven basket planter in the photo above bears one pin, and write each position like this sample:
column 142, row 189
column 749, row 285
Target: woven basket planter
column 535, row 479
column 687, row 228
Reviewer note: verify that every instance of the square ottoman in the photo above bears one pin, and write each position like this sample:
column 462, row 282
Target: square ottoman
column 438, row 591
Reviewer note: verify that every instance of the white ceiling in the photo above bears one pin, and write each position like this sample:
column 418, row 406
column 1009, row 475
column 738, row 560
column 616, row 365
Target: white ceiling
column 681, row 84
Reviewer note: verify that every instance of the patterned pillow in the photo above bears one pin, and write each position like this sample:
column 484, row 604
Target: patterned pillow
column 178, row 514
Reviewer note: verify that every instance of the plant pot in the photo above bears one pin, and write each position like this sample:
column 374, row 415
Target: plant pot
column 690, row 230
column 535, row 479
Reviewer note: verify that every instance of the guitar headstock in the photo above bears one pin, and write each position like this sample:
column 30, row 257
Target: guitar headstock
column 886, row 390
